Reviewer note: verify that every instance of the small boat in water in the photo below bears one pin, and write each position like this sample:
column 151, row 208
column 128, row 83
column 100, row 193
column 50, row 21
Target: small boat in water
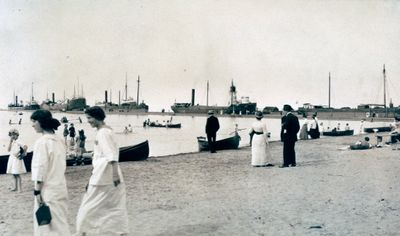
column 378, row 129
column 228, row 143
column 338, row 133
column 166, row 125
column 138, row 152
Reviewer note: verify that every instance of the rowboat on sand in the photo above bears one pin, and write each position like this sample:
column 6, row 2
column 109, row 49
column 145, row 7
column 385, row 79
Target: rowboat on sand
column 338, row 133
column 136, row 152
column 378, row 129
column 227, row 143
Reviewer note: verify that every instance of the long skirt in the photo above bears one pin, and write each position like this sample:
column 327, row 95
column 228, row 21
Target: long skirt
column 260, row 154
column 304, row 132
column 103, row 211
column 56, row 198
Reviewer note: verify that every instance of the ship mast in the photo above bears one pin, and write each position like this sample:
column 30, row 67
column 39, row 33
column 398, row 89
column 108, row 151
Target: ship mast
column 32, row 98
column 384, row 90
column 126, row 86
column 207, row 92
column 329, row 92
column 138, row 84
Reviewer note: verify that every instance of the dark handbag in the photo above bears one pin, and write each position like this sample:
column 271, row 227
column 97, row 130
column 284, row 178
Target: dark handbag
column 43, row 214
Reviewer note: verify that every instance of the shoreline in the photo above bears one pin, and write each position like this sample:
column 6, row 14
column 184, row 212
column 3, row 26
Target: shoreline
column 330, row 192
column 323, row 115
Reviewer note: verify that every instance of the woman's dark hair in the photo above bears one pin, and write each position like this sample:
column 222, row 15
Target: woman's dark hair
column 96, row 112
column 45, row 119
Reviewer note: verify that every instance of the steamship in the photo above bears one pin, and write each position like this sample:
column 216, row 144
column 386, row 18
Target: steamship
column 125, row 105
column 242, row 106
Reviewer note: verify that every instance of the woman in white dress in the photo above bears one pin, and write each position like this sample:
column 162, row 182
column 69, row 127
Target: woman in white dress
column 15, row 164
column 304, row 128
column 103, row 208
column 260, row 154
column 48, row 169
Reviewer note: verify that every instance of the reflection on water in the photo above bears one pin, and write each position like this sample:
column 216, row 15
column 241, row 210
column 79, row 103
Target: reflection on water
column 162, row 141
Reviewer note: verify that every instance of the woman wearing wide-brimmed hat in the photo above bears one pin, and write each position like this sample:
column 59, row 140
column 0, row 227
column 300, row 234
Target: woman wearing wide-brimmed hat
column 16, row 165
column 260, row 154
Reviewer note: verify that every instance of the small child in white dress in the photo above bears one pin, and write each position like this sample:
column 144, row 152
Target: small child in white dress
column 16, row 165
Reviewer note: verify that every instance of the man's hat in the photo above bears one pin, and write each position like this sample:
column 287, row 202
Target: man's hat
column 287, row 107
column 259, row 114
column 211, row 112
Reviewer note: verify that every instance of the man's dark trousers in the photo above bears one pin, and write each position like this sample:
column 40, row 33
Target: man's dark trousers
column 289, row 155
column 211, row 137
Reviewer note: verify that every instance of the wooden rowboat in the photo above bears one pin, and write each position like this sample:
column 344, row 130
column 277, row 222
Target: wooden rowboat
column 136, row 152
column 228, row 143
column 338, row 133
column 168, row 125
column 379, row 129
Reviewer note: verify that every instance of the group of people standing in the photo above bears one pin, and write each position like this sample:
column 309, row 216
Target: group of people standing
column 260, row 154
column 75, row 144
column 310, row 128
column 103, row 209
column 259, row 135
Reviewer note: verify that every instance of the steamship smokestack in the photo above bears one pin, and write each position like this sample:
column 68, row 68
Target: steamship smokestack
column 105, row 95
column 16, row 100
column 53, row 97
column 193, row 97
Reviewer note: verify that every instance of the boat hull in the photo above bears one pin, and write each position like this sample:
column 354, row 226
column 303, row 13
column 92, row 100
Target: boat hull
column 137, row 152
column 379, row 129
column 228, row 143
column 338, row 133
column 178, row 125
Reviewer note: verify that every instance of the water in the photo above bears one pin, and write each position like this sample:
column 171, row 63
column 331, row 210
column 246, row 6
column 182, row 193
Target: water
column 162, row 141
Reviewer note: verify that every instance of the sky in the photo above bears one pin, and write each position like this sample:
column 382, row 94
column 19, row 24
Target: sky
column 275, row 52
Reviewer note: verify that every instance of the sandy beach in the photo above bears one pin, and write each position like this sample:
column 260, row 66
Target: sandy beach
column 330, row 192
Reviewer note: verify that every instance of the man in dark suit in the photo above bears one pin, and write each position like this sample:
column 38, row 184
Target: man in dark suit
column 212, row 126
column 290, row 127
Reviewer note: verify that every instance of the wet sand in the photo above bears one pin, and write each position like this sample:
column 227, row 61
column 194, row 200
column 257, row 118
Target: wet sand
column 330, row 192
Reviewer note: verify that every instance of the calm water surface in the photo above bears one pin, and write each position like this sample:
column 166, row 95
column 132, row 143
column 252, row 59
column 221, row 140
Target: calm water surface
column 162, row 141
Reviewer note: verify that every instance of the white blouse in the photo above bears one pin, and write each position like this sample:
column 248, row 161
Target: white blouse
column 49, row 160
column 105, row 150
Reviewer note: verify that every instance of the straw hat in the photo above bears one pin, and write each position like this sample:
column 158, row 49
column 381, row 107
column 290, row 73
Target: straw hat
column 211, row 112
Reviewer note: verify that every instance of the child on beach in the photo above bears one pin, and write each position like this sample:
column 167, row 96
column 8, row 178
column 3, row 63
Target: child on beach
column 16, row 165
column 80, row 147
column 72, row 134
column 65, row 133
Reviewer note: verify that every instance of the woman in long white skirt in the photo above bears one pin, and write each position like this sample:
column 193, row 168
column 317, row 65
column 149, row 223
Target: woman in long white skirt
column 15, row 164
column 48, row 175
column 304, row 128
column 260, row 154
column 103, row 208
